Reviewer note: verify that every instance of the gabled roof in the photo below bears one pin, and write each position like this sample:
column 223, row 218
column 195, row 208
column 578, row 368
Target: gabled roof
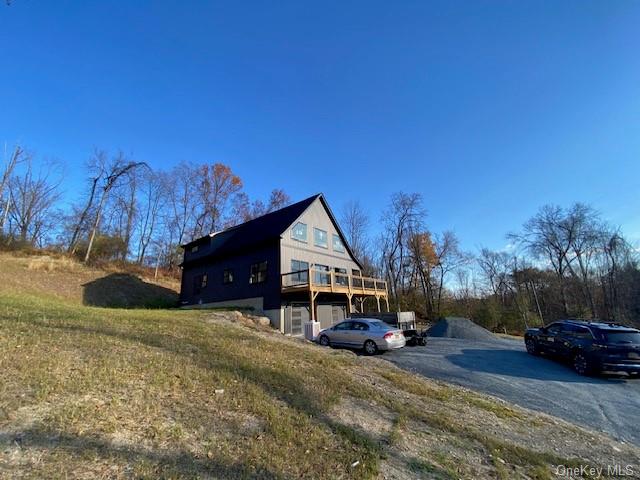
column 263, row 229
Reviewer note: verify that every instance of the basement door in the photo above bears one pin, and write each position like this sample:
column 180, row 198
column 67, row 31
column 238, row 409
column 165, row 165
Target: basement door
column 297, row 315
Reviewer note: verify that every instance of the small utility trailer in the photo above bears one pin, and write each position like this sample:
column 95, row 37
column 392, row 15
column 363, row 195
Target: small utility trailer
column 405, row 321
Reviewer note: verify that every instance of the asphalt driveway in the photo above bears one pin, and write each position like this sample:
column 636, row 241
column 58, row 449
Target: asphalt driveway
column 503, row 368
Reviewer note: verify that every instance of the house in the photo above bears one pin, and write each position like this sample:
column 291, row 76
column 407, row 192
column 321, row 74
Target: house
column 293, row 265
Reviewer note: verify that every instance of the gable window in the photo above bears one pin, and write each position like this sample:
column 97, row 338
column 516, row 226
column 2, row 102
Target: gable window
column 299, row 232
column 338, row 246
column 258, row 272
column 227, row 276
column 320, row 238
column 195, row 248
column 199, row 283
column 300, row 272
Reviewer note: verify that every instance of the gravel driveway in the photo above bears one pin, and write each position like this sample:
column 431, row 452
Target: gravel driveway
column 503, row 368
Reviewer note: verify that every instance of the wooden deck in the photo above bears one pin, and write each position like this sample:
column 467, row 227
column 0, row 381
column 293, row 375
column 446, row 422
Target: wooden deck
column 313, row 282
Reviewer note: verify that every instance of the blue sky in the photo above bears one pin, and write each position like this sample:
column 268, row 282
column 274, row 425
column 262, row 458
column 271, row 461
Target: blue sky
column 489, row 109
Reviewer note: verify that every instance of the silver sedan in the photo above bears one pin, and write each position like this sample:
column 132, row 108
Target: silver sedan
column 367, row 333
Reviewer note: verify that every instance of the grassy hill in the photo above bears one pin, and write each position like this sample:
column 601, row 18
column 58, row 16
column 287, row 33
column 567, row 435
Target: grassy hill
column 96, row 392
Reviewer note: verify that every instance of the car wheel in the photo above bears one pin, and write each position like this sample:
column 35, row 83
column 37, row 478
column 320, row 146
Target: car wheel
column 532, row 346
column 581, row 365
column 324, row 341
column 370, row 347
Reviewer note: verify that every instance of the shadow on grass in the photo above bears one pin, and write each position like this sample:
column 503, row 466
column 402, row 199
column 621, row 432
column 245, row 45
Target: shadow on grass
column 272, row 379
column 153, row 463
column 123, row 290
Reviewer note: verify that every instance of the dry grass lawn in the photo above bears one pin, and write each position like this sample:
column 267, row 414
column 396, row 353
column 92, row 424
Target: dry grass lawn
column 89, row 392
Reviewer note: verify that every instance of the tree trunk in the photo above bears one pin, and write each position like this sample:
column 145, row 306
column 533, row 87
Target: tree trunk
column 73, row 243
column 96, row 223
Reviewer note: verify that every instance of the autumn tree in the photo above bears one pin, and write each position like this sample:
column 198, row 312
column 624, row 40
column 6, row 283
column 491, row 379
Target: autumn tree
column 217, row 184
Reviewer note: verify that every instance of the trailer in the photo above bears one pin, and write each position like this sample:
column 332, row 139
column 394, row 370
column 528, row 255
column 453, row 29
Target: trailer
column 405, row 321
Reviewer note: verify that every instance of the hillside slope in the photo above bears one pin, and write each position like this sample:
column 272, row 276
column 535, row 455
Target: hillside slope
column 66, row 279
column 88, row 392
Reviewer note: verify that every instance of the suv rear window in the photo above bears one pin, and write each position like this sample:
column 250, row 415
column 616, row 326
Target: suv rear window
column 622, row 337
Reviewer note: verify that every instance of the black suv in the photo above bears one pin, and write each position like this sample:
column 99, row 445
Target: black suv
column 592, row 347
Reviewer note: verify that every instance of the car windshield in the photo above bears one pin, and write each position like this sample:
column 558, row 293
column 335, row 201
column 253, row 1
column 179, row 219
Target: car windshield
column 622, row 337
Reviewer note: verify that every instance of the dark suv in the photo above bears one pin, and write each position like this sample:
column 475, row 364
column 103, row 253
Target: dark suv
column 591, row 347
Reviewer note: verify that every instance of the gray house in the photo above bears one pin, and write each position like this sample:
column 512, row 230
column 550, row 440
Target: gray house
column 293, row 265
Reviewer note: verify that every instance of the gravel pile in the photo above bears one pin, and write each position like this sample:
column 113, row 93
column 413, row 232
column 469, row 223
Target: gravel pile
column 458, row 327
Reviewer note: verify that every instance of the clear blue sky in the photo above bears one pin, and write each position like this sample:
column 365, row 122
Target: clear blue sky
column 489, row 109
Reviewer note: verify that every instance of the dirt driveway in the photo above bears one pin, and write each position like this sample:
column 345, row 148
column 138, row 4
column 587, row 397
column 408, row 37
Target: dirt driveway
column 503, row 368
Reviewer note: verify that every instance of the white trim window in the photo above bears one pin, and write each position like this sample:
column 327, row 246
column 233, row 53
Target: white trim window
column 320, row 238
column 258, row 273
column 337, row 244
column 299, row 232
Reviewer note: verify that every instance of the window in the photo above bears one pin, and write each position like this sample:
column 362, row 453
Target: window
column 199, row 282
column 360, row 326
column 628, row 337
column 343, row 326
column 258, row 273
column 379, row 325
column 342, row 278
column 194, row 249
column 227, row 276
column 357, row 278
column 554, row 328
column 319, row 277
column 320, row 238
column 299, row 232
column 338, row 246
column 582, row 332
column 300, row 271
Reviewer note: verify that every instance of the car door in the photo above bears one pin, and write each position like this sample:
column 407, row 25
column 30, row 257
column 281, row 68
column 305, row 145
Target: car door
column 549, row 338
column 357, row 334
column 565, row 340
column 340, row 333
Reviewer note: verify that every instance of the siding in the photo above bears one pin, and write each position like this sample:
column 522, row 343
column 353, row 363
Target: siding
column 216, row 291
column 315, row 216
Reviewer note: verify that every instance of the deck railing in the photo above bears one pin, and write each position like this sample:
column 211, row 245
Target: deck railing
column 331, row 281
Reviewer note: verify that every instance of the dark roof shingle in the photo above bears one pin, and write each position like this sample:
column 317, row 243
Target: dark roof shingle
column 256, row 231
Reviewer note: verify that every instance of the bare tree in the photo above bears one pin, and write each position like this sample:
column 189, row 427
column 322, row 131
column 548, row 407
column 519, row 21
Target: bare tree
column 181, row 208
column 153, row 198
column 549, row 235
column 33, row 196
column 355, row 222
column 96, row 165
column 118, row 167
column 401, row 220
column 10, row 164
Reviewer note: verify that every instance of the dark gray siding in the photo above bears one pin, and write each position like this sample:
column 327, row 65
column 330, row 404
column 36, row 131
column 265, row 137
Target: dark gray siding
column 204, row 248
column 217, row 291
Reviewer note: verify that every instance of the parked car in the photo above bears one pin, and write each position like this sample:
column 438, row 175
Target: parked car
column 369, row 334
column 405, row 321
column 591, row 347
